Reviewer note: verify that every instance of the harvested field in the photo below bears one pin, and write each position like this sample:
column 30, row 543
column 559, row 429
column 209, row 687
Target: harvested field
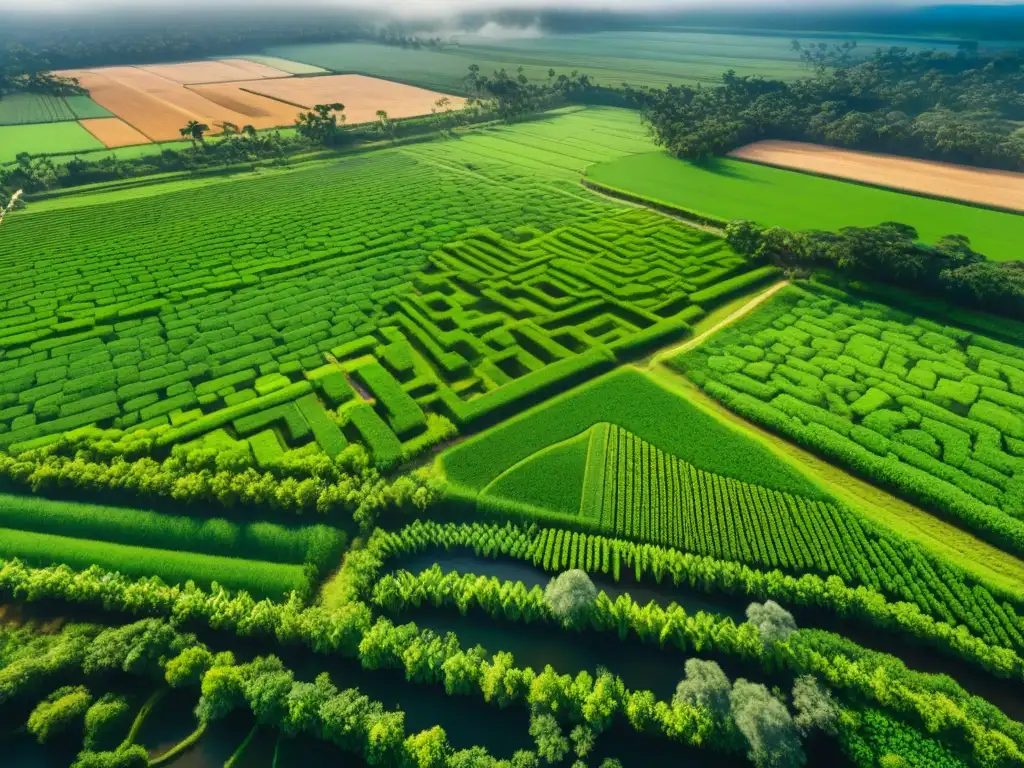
column 219, row 71
column 114, row 132
column 253, row 109
column 153, row 105
column 156, row 101
column 1002, row 189
column 362, row 96
column 285, row 65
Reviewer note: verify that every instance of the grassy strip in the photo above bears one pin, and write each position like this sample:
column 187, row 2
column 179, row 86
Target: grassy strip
column 732, row 189
column 658, row 205
column 187, row 743
column 980, row 559
column 144, row 712
column 259, row 578
column 238, row 753
column 636, row 402
column 145, row 528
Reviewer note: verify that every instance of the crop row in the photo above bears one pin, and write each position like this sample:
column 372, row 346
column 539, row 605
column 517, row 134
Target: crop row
column 653, row 496
column 210, row 317
column 316, row 544
column 258, row 577
column 108, row 321
column 934, row 412
column 556, row 550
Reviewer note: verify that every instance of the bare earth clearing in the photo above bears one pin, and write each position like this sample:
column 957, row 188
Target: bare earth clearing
column 1003, row 189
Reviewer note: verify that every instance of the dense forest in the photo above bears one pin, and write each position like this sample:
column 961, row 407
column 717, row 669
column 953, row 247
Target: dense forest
column 28, row 47
column 966, row 107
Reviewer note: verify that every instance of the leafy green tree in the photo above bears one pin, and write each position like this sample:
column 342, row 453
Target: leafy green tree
column 195, row 132
column 125, row 756
column 60, row 713
column 774, row 623
column 705, row 685
column 186, row 670
column 321, row 125
column 552, row 745
column 571, row 596
column 304, row 703
column 428, row 749
column 106, row 722
column 764, row 721
column 815, row 707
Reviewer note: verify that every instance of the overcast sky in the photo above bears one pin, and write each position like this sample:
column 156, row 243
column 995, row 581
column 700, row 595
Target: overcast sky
column 444, row 7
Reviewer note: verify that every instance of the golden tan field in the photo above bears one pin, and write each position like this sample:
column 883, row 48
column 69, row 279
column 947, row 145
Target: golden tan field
column 219, row 71
column 1003, row 189
column 157, row 102
column 362, row 96
column 113, row 132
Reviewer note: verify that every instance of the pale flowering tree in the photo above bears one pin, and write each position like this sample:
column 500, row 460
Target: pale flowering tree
column 10, row 205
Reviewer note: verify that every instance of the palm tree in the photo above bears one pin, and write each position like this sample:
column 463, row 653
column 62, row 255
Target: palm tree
column 194, row 131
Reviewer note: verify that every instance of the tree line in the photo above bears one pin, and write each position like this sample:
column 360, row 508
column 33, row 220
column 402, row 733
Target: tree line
column 891, row 253
column 305, row 482
column 962, row 107
column 931, row 703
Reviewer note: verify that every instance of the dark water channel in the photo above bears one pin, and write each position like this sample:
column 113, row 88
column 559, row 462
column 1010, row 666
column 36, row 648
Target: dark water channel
column 1005, row 694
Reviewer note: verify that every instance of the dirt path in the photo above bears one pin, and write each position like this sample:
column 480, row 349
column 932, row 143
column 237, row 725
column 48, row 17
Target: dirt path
column 746, row 309
column 941, row 538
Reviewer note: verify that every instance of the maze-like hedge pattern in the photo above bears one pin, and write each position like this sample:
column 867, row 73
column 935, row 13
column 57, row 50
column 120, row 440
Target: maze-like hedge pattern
column 641, row 492
column 935, row 411
column 501, row 317
column 203, row 307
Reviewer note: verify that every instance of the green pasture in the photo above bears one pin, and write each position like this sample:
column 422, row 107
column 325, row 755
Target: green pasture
column 259, row 578
column 639, row 58
column 734, row 189
column 634, row 401
column 45, row 139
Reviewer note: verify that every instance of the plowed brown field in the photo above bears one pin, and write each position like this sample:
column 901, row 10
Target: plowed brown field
column 113, row 132
column 1003, row 189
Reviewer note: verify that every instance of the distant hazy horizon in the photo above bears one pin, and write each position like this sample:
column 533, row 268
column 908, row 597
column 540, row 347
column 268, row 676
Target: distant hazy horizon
column 449, row 7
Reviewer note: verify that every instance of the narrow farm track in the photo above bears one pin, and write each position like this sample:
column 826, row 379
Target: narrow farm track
column 963, row 549
column 746, row 309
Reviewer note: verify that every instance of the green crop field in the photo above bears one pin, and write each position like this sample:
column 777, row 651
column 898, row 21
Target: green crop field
column 733, row 189
column 626, row 457
column 45, row 139
column 385, row 406
column 216, row 318
column 258, row 578
column 653, row 58
column 23, row 108
column 932, row 411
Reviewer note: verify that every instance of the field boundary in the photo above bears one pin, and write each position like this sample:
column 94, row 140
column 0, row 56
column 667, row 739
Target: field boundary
column 884, row 187
column 739, row 314
column 711, row 223
column 960, row 547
